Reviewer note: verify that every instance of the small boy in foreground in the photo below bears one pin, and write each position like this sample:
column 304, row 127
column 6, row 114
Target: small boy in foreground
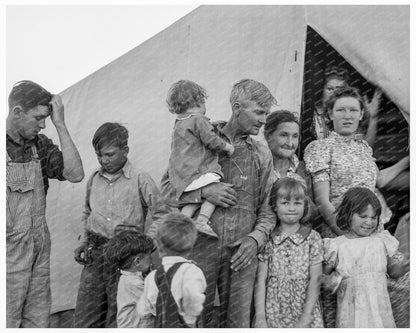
column 173, row 294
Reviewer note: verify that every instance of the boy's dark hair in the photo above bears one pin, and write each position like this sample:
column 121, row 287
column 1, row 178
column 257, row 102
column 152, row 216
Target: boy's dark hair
column 28, row 95
column 110, row 134
column 184, row 95
column 276, row 118
column 288, row 188
column 356, row 200
column 125, row 246
column 177, row 233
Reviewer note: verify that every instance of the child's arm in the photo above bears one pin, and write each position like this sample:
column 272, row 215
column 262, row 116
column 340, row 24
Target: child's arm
column 210, row 139
column 397, row 265
column 312, row 294
column 260, row 296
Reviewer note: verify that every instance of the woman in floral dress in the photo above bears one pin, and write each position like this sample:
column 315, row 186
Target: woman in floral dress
column 341, row 161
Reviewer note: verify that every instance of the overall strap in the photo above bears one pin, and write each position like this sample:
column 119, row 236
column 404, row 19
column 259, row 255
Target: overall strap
column 34, row 152
column 167, row 312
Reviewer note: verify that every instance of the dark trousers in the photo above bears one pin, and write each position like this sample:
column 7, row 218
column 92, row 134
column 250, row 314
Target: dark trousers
column 97, row 294
column 235, row 288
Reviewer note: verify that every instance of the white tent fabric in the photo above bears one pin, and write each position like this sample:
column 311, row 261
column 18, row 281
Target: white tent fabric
column 373, row 39
column 214, row 46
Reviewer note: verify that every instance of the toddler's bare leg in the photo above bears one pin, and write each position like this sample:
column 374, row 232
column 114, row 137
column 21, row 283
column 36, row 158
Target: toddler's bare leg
column 189, row 209
column 202, row 222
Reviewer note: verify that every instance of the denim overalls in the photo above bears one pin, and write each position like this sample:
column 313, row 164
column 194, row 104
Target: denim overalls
column 28, row 245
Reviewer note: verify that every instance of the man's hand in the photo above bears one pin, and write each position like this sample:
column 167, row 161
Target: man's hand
column 81, row 253
column 220, row 194
column 245, row 254
column 57, row 114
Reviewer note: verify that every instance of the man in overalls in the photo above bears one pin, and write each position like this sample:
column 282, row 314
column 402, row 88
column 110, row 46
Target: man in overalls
column 32, row 158
column 243, row 218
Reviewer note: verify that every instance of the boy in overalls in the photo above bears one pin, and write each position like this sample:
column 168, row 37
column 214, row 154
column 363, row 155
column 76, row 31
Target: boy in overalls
column 174, row 294
column 32, row 158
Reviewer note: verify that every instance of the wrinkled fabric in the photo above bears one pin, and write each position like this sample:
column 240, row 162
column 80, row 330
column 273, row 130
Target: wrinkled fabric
column 97, row 293
column 194, row 151
column 289, row 258
column 362, row 297
column 28, row 246
column 250, row 171
column 344, row 163
column 124, row 200
column 51, row 159
column 187, row 288
column 129, row 290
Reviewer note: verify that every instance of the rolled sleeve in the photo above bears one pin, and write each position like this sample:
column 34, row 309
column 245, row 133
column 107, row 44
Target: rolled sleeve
column 317, row 159
column 51, row 158
column 151, row 201
column 86, row 212
column 316, row 248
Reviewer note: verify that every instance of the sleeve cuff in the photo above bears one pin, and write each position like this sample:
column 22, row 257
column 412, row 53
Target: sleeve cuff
column 258, row 237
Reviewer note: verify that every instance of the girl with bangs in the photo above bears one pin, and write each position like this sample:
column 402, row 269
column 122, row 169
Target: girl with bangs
column 357, row 263
column 290, row 267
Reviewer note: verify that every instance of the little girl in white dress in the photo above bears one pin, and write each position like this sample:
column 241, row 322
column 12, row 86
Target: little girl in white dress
column 357, row 263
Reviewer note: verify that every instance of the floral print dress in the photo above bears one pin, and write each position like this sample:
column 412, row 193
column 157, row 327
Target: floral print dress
column 289, row 258
column 344, row 163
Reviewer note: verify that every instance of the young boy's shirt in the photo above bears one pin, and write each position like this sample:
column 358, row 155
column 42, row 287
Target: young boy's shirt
column 124, row 198
column 130, row 289
column 187, row 288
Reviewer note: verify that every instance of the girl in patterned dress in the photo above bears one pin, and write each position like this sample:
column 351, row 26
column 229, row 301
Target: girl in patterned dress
column 341, row 161
column 290, row 267
column 357, row 262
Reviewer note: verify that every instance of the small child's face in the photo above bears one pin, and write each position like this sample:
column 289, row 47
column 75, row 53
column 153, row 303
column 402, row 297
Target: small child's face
column 202, row 109
column 144, row 262
column 363, row 224
column 290, row 211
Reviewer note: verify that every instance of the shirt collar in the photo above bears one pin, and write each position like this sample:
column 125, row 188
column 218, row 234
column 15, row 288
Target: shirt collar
column 126, row 170
column 338, row 137
column 219, row 125
column 297, row 238
column 170, row 260
column 25, row 142
column 127, row 273
column 293, row 166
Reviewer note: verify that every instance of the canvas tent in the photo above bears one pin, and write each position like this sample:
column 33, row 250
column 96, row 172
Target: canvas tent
column 215, row 46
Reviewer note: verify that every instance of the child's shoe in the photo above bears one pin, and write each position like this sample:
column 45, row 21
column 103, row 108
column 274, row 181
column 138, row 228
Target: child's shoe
column 203, row 227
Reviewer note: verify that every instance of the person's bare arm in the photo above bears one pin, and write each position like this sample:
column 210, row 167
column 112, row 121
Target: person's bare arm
column 73, row 170
column 386, row 175
column 327, row 210
column 260, row 296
